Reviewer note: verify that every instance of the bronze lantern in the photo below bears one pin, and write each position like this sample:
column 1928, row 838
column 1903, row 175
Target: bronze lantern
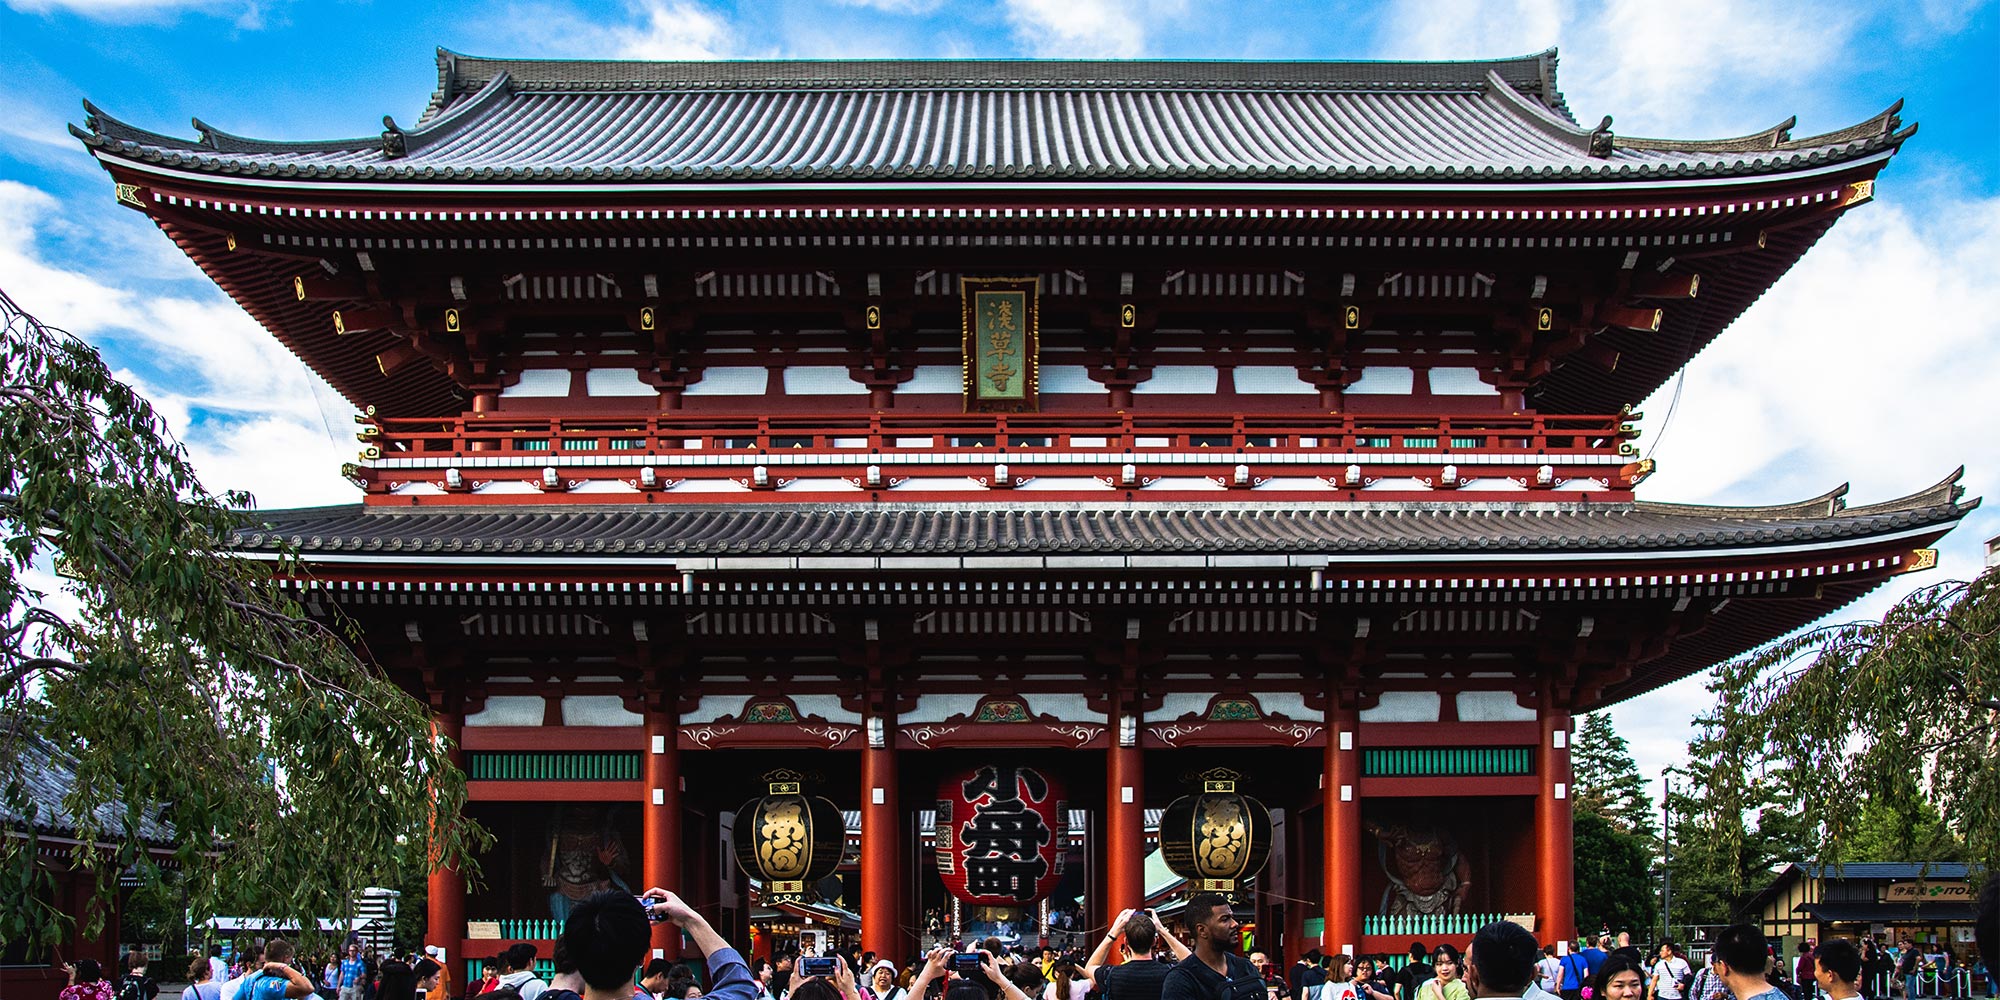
column 1217, row 840
column 788, row 839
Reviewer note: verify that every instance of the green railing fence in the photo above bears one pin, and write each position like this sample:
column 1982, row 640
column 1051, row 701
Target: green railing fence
column 508, row 765
column 1413, row 762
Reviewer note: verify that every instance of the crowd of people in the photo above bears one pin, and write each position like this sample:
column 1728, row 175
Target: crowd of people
column 604, row 953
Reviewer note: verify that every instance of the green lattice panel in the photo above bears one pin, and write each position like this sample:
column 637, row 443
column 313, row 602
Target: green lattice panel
column 490, row 765
column 1442, row 762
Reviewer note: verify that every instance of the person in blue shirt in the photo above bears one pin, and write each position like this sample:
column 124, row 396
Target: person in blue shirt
column 1741, row 956
column 277, row 980
column 353, row 972
column 1594, row 956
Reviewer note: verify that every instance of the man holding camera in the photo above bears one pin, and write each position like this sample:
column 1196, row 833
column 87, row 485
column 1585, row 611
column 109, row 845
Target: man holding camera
column 1141, row 977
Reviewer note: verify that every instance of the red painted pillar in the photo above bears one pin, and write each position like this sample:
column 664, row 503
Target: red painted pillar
column 881, row 844
column 1341, row 831
column 660, row 829
column 1555, row 867
column 446, row 924
column 1124, row 816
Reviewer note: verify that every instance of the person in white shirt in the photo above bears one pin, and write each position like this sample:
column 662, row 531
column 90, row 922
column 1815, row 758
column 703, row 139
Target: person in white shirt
column 1548, row 971
column 1668, row 971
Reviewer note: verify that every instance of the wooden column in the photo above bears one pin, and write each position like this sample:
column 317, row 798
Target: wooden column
column 1555, row 861
column 881, row 843
column 1124, row 813
column 661, row 826
column 1341, row 831
column 446, row 924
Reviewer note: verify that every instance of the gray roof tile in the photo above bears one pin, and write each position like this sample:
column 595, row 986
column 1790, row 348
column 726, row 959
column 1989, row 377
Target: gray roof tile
column 1423, row 529
column 915, row 120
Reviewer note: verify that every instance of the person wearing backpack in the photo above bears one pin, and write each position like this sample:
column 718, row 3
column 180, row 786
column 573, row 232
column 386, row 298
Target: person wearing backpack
column 1575, row 972
column 136, row 985
column 277, row 980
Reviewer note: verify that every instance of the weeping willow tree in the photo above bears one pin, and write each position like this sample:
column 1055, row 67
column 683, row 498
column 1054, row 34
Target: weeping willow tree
column 211, row 725
column 1900, row 715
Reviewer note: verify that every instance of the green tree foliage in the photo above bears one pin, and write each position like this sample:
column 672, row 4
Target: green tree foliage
column 1732, row 822
column 1895, row 714
column 1607, row 781
column 1888, row 832
column 190, row 689
column 1613, row 887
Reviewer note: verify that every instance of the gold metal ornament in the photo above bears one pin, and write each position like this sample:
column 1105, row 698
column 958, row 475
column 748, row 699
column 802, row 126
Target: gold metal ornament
column 1545, row 319
column 339, row 325
column 127, row 194
column 873, row 316
column 451, row 322
column 1351, row 317
column 1128, row 316
column 647, row 319
column 299, row 288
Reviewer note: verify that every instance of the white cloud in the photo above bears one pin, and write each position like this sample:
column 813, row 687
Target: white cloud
column 1087, row 29
column 1873, row 361
column 1698, row 70
column 651, row 29
column 895, row 6
column 248, row 13
column 245, row 407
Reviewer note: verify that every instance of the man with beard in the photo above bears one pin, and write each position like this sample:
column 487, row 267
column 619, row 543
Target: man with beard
column 1213, row 971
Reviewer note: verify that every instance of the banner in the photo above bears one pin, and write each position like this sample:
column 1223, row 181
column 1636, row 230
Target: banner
column 1002, row 343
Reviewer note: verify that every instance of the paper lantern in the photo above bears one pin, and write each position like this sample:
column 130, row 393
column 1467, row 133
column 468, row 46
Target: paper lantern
column 1218, row 839
column 788, row 839
column 1000, row 833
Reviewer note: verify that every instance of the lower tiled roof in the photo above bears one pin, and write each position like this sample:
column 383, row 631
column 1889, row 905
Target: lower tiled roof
column 778, row 529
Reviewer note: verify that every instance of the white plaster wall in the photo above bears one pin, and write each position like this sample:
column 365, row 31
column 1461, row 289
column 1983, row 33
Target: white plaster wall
column 598, row 710
column 1492, row 706
column 715, row 706
column 938, row 707
column 509, row 710
column 1405, row 706
column 826, row 706
column 1067, row 707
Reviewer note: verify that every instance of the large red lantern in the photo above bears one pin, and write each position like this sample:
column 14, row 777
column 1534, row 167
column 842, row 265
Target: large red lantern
column 1000, row 832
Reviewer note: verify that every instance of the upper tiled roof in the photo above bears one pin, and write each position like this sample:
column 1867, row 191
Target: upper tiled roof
column 918, row 120
column 1494, row 530
column 48, row 775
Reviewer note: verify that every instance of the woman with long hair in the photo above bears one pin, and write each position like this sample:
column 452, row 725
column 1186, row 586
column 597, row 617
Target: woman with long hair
column 1448, row 984
column 399, row 982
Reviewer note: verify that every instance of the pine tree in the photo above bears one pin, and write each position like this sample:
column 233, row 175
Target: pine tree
column 1607, row 781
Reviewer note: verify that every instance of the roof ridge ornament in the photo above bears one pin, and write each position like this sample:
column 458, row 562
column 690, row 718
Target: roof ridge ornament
column 394, row 145
column 1601, row 140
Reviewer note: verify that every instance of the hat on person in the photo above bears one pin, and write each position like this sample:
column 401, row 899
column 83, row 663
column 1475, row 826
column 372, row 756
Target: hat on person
column 882, row 963
column 435, row 951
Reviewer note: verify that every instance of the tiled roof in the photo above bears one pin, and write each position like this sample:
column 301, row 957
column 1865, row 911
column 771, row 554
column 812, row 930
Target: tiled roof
column 48, row 775
column 773, row 529
column 914, row 120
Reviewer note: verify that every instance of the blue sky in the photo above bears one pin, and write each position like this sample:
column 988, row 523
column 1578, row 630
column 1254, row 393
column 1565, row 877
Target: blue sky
column 1811, row 388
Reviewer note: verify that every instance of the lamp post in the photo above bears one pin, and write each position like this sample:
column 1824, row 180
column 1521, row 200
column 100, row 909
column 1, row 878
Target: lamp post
column 1666, row 853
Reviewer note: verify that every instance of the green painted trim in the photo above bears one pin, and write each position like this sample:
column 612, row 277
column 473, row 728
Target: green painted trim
column 513, row 765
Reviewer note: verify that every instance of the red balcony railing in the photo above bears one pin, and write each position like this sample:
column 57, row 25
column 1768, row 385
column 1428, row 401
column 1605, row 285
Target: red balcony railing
column 882, row 450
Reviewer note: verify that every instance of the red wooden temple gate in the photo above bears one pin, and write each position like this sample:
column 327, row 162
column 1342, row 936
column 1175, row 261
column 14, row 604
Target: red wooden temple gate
column 686, row 454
